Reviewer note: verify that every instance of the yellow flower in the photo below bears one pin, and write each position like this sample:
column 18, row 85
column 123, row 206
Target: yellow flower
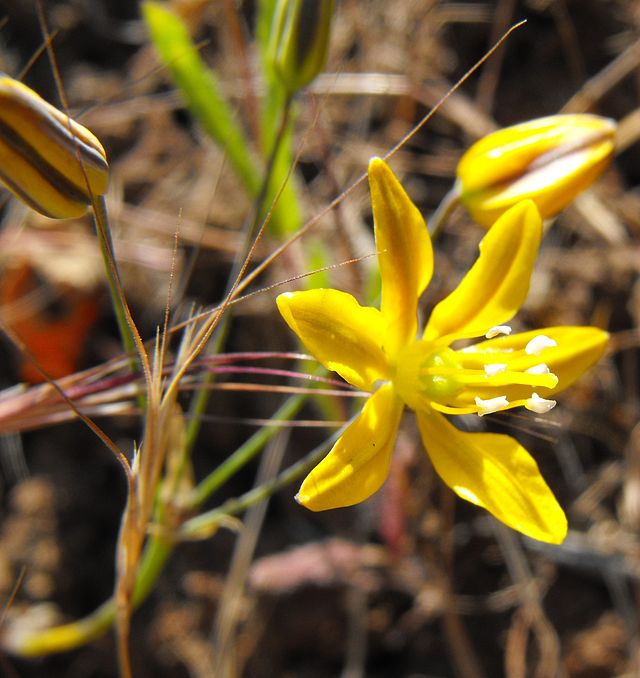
column 380, row 351
column 50, row 162
column 549, row 160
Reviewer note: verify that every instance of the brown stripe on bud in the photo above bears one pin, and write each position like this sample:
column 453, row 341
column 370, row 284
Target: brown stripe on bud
column 47, row 160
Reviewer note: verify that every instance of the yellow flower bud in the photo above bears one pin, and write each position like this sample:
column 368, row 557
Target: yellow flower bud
column 299, row 40
column 549, row 160
column 50, row 162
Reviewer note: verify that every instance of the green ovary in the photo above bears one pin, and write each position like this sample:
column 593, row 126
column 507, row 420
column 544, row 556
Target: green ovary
column 425, row 374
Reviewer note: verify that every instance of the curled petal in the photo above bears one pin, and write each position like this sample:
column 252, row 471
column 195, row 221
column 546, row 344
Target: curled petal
column 359, row 462
column 344, row 336
column 494, row 471
column 497, row 285
column 404, row 252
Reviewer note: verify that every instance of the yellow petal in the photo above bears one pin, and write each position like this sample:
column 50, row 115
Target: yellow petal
column 404, row 252
column 494, row 471
column 344, row 336
column 358, row 464
column 577, row 349
column 497, row 285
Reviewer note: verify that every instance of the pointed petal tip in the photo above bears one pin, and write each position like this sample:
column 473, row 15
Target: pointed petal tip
column 380, row 172
column 523, row 215
column 532, row 212
column 496, row 286
column 283, row 296
column 376, row 163
column 527, row 205
column 315, row 501
column 282, row 303
column 550, row 526
column 555, row 535
column 306, row 501
column 495, row 472
column 358, row 463
column 527, row 212
column 405, row 253
column 598, row 336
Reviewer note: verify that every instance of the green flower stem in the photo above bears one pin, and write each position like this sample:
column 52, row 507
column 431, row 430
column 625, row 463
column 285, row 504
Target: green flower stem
column 200, row 89
column 202, row 524
column 76, row 634
column 158, row 549
column 450, row 201
column 203, row 96
column 199, row 402
column 245, row 452
column 103, row 232
column 261, row 207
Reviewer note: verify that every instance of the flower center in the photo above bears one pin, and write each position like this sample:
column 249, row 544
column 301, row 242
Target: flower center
column 470, row 380
column 425, row 374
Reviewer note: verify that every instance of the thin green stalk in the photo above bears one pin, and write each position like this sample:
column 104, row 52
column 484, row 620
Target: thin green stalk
column 202, row 523
column 158, row 548
column 202, row 93
column 260, row 206
column 200, row 400
column 103, row 231
column 245, row 452
column 200, row 88
column 450, row 201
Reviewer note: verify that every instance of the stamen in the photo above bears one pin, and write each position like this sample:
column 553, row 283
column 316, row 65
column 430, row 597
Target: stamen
column 539, row 405
column 542, row 368
column 491, row 405
column 498, row 330
column 495, row 368
column 538, row 344
column 487, row 349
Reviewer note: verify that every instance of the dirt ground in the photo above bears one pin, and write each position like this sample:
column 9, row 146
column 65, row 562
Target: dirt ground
column 413, row 583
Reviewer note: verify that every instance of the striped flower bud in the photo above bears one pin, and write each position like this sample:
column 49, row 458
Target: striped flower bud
column 549, row 160
column 47, row 160
column 299, row 40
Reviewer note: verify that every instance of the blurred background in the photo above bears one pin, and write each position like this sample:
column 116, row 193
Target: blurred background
column 413, row 583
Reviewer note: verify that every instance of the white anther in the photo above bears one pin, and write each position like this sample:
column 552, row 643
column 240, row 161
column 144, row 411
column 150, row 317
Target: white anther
column 542, row 368
column 495, row 368
column 539, row 405
column 492, row 405
column 538, row 344
column 498, row 330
